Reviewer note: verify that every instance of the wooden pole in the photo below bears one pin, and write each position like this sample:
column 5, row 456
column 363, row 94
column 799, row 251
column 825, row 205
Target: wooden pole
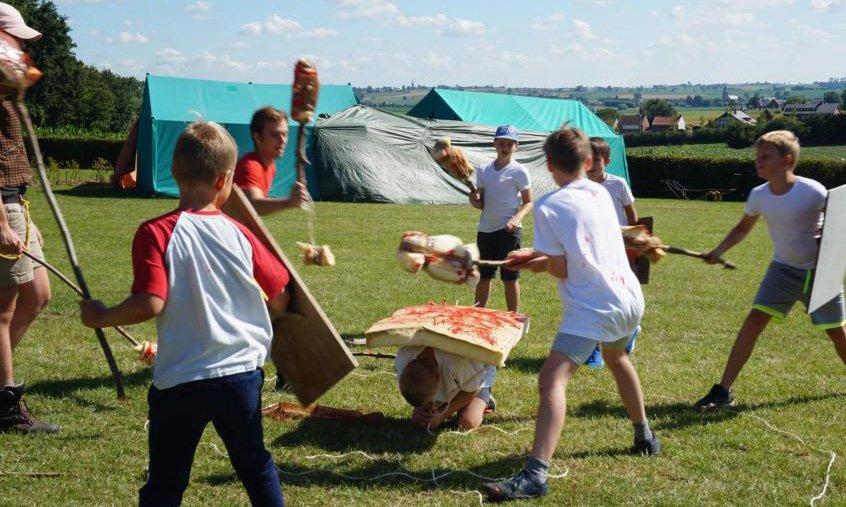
column 66, row 237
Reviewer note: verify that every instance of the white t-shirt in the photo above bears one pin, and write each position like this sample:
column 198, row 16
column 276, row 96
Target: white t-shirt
column 502, row 193
column 601, row 295
column 621, row 195
column 457, row 373
column 794, row 220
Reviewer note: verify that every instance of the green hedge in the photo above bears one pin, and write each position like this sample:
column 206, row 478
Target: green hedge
column 82, row 151
column 647, row 173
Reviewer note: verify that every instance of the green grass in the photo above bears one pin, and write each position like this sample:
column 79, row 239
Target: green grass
column 794, row 381
column 721, row 150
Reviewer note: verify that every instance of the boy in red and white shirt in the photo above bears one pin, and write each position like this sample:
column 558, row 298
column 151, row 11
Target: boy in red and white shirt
column 255, row 171
column 206, row 279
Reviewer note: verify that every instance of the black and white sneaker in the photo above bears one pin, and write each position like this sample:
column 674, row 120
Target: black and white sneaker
column 717, row 397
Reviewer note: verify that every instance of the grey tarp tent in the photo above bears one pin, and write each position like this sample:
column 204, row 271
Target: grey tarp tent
column 365, row 154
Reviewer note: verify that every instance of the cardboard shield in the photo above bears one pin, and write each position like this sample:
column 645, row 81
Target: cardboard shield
column 306, row 349
column 831, row 258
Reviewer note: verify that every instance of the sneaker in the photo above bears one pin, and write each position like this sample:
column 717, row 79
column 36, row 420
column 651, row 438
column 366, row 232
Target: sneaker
column 519, row 486
column 717, row 397
column 491, row 406
column 15, row 416
column 595, row 360
column 648, row 447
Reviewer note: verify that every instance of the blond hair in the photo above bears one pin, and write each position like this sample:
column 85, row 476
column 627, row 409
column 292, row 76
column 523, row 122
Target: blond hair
column 784, row 141
column 418, row 382
column 567, row 149
column 203, row 151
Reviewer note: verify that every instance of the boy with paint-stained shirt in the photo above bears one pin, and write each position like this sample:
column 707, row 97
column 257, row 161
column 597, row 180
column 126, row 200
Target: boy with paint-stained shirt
column 578, row 241
column 505, row 198
column 439, row 384
column 792, row 207
column 209, row 282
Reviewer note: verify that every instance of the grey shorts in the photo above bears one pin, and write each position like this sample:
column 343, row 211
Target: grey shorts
column 19, row 272
column 578, row 348
column 784, row 285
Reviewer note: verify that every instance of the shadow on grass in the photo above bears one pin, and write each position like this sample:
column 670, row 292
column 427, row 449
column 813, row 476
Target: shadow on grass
column 393, row 435
column 530, row 365
column 682, row 415
column 95, row 189
column 71, row 389
column 387, row 473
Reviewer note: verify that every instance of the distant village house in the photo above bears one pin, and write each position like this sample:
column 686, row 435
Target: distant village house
column 633, row 123
column 667, row 123
column 730, row 117
column 819, row 108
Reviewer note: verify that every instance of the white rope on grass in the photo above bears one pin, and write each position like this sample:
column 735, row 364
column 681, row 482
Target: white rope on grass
column 373, row 374
column 464, row 433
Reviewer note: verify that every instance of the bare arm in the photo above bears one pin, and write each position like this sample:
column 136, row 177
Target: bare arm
column 539, row 262
column 522, row 211
column 10, row 242
column 735, row 236
column 431, row 418
column 631, row 214
column 133, row 310
column 266, row 205
column 477, row 198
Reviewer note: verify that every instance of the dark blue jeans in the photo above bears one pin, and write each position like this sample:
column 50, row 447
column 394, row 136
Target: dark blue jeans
column 178, row 417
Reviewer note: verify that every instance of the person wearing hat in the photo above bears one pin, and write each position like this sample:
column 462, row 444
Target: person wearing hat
column 505, row 196
column 24, row 286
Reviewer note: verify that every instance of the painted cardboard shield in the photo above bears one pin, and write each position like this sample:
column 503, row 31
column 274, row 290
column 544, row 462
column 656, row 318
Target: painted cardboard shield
column 831, row 259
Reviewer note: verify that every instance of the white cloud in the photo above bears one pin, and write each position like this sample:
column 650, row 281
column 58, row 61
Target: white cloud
column 317, row 33
column 370, row 9
column 455, row 27
column 546, row 23
column 199, row 6
column 171, row 55
column 807, row 32
column 827, row 5
column 583, row 29
column 464, row 28
column 239, row 44
column 128, row 38
column 225, row 62
column 435, row 60
column 274, row 24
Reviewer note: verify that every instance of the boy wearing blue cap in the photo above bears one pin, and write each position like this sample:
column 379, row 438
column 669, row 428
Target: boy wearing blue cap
column 504, row 195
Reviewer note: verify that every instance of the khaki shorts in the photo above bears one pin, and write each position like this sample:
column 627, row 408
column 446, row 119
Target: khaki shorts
column 19, row 272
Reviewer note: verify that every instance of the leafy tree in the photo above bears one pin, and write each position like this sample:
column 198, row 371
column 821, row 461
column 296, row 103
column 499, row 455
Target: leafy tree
column 796, row 99
column 608, row 114
column 831, row 98
column 740, row 135
column 71, row 93
column 843, row 96
column 657, row 107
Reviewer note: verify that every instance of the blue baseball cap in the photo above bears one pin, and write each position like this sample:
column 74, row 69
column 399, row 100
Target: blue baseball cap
column 506, row 132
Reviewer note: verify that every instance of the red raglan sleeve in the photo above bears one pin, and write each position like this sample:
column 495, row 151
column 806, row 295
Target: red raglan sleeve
column 148, row 261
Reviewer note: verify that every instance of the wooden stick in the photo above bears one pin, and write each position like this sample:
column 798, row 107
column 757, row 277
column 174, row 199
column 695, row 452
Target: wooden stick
column 66, row 237
column 489, row 264
column 699, row 255
column 302, row 160
column 376, row 355
column 61, row 276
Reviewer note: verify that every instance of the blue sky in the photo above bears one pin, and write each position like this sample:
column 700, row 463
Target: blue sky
column 518, row 43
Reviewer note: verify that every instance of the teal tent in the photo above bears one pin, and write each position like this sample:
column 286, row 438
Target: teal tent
column 170, row 103
column 530, row 114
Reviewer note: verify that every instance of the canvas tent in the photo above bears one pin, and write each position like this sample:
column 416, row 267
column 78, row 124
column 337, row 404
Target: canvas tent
column 170, row 103
column 365, row 154
column 531, row 114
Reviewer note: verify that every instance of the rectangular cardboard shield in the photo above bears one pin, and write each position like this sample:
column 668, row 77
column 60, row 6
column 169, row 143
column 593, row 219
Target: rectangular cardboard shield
column 831, row 259
column 306, row 349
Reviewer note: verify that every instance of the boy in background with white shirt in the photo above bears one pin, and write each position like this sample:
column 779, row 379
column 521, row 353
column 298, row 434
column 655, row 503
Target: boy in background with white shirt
column 621, row 196
column 439, row 384
column 505, row 197
column 578, row 241
column 792, row 206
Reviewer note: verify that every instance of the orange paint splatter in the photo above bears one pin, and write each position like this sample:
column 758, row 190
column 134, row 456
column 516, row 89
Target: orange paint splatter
column 460, row 320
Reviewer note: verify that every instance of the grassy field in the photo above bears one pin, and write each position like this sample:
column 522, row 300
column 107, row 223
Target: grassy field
column 774, row 449
column 721, row 150
column 694, row 116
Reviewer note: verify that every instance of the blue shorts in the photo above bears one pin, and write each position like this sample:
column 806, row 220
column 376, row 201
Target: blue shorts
column 784, row 285
column 578, row 348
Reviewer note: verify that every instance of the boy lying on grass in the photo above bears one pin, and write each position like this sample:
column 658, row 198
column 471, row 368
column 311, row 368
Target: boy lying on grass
column 438, row 384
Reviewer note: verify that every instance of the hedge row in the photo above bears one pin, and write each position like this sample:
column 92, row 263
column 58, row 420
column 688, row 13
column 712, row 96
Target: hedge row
column 84, row 152
column 675, row 137
column 649, row 173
